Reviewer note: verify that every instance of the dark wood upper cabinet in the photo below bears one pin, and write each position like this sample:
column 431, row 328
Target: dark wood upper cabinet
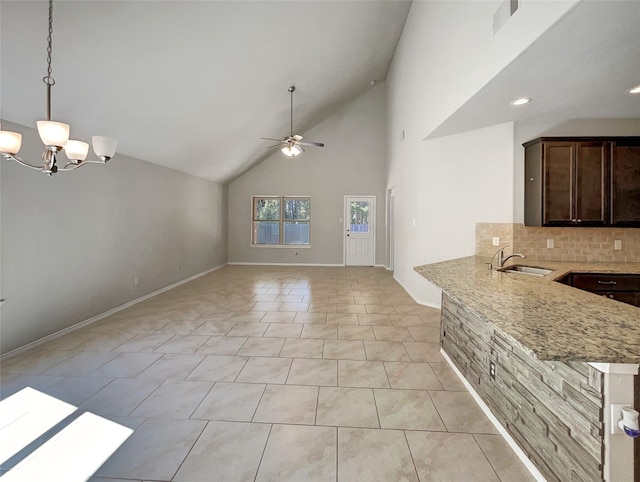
column 588, row 181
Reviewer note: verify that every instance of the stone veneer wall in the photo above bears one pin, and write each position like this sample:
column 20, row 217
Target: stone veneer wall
column 553, row 410
column 571, row 244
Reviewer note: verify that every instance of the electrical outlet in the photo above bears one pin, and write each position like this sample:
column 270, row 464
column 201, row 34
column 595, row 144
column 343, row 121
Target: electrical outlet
column 136, row 281
column 551, row 244
column 496, row 241
column 617, row 244
column 178, row 268
column 492, row 370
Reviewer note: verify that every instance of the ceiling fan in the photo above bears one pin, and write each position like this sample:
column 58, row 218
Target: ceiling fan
column 292, row 145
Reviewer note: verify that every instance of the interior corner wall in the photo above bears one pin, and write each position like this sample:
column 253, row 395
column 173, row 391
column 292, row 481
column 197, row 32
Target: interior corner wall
column 351, row 163
column 72, row 243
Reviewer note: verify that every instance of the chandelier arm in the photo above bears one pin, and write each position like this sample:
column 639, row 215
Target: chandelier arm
column 22, row 162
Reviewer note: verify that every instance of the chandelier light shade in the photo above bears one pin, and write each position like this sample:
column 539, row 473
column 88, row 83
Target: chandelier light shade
column 55, row 135
column 292, row 150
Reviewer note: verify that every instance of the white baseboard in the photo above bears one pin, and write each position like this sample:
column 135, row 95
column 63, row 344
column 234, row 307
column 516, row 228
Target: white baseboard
column 487, row 411
column 93, row 319
column 415, row 298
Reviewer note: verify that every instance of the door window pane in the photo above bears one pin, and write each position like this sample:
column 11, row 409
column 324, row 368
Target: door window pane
column 360, row 217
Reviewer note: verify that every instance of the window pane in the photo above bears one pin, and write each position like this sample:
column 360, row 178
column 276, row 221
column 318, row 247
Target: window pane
column 266, row 209
column 296, row 233
column 296, row 209
column 360, row 217
column 266, row 232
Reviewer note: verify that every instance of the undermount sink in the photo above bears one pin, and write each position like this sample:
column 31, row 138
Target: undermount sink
column 528, row 270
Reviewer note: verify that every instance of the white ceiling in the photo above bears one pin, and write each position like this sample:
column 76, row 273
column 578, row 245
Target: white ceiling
column 193, row 85
column 580, row 68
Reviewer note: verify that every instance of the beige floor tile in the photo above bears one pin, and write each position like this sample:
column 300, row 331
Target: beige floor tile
column 120, row 397
column 139, row 459
column 407, row 410
column 173, row 399
column 226, row 451
column 460, row 413
column 386, row 351
column 325, row 332
column 230, row 401
column 172, row 366
column 374, row 456
column 278, row 317
column 380, row 310
column 82, row 363
column 423, row 352
column 415, row 376
column 406, row 320
column 313, row 372
column 343, row 350
column 311, row 318
column 430, row 315
column 302, row 348
column 342, row 318
column 74, row 390
column 239, row 306
column 266, row 306
column 216, row 328
column 262, row 347
column 301, row 307
column 218, row 368
column 216, row 316
column 429, row 334
column 283, row 330
column 248, row 316
column 379, row 320
column 265, row 370
column 290, row 298
column 248, row 329
column 182, row 344
column 447, row 377
column 222, row 345
column 34, row 362
column 347, row 407
column 351, row 308
column 503, row 459
column 264, row 298
column 182, row 327
column 348, row 332
column 288, row 404
column 365, row 374
column 449, row 456
column 126, row 365
column 13, row 383
column 392, row 333
column 143, row 343
column 323, row 307
column 366, row 300
column 297, row 453
column 106, row 341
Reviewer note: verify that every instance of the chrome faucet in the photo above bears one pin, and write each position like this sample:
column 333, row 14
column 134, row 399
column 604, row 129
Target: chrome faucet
column 501, row 259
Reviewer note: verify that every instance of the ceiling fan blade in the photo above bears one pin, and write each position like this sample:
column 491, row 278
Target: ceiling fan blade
column 271, row 139
column 277, row 145
column 312, row 144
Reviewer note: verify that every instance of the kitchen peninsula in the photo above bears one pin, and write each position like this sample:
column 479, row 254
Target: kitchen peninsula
column 546, row 359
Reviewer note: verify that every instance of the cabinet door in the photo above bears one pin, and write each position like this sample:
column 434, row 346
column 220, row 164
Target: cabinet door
column 558, row 169
column 591, row 183
column 625, row 184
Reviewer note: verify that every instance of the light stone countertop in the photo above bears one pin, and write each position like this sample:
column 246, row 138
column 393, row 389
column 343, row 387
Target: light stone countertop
column 550, row 320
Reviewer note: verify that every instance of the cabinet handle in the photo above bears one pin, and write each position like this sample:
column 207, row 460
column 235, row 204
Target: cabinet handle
column 531, row 179
column 600, row 282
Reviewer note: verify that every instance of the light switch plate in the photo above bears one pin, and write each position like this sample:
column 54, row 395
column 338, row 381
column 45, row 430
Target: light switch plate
column 550, row 244
column 496, row 241
column 617, row 244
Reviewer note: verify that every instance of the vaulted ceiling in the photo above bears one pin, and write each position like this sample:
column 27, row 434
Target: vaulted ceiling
column 193, row 85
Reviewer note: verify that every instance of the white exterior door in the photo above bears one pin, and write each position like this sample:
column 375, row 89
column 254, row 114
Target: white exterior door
column 359, row 223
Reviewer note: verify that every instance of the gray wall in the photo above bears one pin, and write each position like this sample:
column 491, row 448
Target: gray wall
column 72, row 244
column 351, row 163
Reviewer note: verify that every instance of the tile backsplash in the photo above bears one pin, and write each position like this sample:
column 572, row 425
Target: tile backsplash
column 570, row 244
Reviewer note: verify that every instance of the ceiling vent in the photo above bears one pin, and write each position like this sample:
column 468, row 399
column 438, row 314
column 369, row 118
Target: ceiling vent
column 504, row 12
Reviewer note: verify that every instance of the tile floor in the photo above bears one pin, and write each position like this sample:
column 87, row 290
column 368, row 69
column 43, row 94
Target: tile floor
column 274, row 374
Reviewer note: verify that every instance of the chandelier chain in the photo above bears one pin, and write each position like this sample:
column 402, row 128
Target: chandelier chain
column 48, row 79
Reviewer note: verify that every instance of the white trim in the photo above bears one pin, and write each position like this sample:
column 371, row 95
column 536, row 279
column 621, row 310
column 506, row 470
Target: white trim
column 617, row 368
column 487, row 411
column 281, row 246
column 242, row 263
column 415, row 298
column 93, row 319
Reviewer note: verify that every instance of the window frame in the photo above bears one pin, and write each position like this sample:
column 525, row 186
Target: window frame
column 281, row 222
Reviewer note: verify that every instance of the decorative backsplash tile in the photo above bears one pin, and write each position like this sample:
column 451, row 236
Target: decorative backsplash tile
column 570, row 244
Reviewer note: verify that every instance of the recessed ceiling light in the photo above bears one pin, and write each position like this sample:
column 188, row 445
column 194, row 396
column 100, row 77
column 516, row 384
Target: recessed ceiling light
column 521, row 101
column 634, row 90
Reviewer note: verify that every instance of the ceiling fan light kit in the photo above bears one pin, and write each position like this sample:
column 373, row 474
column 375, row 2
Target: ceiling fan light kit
column 55, row 135
column 292, row 145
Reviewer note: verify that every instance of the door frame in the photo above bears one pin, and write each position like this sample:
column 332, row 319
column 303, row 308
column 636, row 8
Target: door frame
column 390, row 226
column 345, row 213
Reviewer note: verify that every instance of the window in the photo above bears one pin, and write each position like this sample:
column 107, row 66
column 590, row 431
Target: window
column 280, row 220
